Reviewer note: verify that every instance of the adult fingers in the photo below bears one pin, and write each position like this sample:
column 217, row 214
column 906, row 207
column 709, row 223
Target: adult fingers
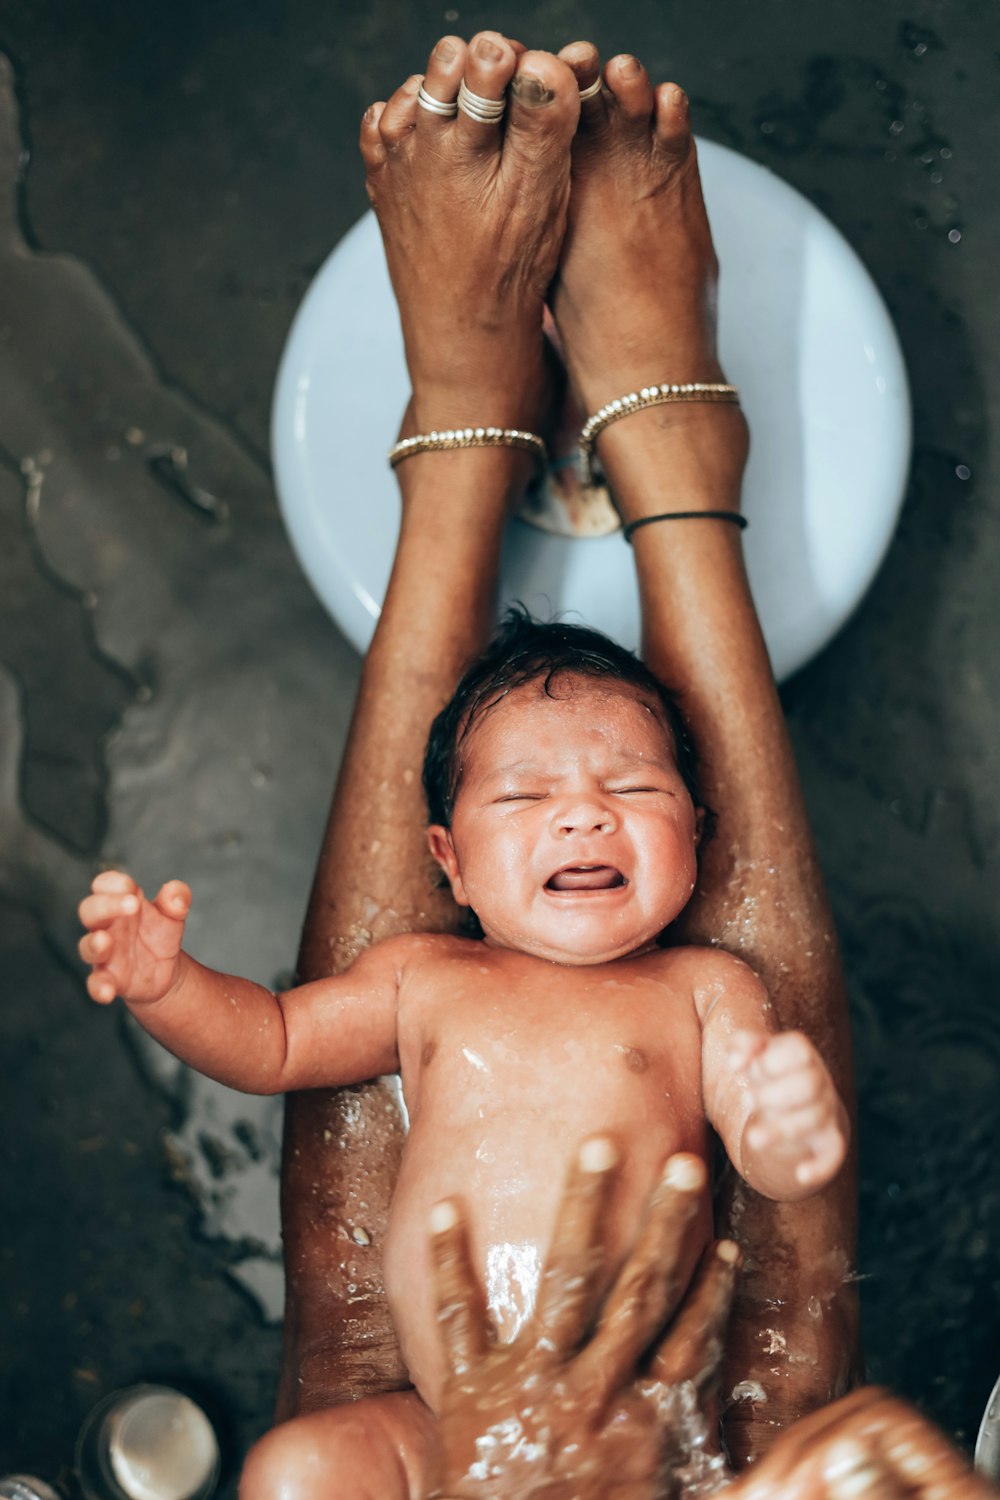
column 568, row 1293
column 693, row 1347
column 649, row 1284
column 462, row 1316
column 921, row 1454
column 790, row 1467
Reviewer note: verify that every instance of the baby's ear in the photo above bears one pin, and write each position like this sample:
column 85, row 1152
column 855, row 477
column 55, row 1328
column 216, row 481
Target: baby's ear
column 442, row 847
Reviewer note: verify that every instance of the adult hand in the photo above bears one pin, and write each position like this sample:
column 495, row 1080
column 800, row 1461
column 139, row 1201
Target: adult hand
column 560, row 1412
column 868, row 1446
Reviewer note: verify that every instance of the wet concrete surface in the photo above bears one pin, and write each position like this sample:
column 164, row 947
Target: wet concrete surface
column 172, row 696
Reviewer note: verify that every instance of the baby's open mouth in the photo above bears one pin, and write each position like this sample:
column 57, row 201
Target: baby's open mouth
column 586, row 878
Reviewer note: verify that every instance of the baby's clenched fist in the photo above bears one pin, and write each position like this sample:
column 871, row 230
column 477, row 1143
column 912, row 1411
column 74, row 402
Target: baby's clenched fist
column 796, row 1122
column 133, row 945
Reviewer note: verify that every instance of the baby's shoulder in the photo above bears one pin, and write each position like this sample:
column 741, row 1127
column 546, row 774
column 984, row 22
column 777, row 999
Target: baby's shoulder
column 416, row 953
column 703, row 968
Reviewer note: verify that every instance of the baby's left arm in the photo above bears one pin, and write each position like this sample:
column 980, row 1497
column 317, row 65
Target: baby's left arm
column 768, row 1093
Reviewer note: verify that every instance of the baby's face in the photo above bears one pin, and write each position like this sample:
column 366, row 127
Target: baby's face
column 573, row 835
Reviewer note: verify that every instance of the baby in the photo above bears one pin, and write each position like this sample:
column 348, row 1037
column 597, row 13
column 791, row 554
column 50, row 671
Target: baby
column 563, row 813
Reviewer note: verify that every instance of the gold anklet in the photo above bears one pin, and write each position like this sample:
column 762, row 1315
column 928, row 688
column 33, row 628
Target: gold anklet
column 732, row 516
column 649, row 395
column 470, row 437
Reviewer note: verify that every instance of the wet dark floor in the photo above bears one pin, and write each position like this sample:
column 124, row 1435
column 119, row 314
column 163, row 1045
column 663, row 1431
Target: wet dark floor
column 171, row 695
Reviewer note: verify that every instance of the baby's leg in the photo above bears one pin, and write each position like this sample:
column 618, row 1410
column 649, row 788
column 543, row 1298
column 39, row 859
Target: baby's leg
column 380, row 1448
column 635, row 304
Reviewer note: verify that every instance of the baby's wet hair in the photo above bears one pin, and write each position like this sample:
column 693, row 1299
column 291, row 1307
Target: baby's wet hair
column 527, row 650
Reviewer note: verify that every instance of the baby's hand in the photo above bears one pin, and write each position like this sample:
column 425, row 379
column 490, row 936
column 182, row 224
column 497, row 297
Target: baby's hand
column 133, row 944
column 797, row 1122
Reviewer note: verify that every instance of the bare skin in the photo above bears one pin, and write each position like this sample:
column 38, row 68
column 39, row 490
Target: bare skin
column 574, row 839
column 759, row 887
column 760, row 891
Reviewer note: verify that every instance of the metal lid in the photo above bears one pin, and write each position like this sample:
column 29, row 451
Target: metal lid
column 148, row 1443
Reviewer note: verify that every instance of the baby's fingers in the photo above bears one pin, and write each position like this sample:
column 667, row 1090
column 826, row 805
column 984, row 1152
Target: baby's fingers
column 103, row 908
column 173, row 900
column 115, row 882
column 101, row 987
column 787, row 1052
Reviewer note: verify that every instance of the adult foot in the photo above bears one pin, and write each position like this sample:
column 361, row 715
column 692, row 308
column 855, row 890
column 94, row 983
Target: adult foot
column 473, row 217
column 635, row 297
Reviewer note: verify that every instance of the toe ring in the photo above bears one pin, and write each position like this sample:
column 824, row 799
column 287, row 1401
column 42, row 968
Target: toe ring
column 485, row 111
column 592, row 89
column 436, row 106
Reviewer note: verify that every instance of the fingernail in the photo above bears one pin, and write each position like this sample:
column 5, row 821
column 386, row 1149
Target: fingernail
column 629, row 67
column 527, row 89
column 488, row 51
column 130, row 904
column 728, row 1251
column 443, row 1216
column 684, row 1172
column 597, row 1155
column 445, row 51
column 849, row 1470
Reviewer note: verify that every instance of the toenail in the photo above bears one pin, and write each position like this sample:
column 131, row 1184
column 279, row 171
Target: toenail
column 488, row 51
column 445, row 51
column 527, row 89
column 629, row 67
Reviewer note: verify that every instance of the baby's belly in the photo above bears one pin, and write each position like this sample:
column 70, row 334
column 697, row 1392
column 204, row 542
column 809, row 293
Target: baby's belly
column 509, row 1172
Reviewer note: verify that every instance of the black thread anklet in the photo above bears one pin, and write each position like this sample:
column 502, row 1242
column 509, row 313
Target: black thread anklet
column 686, row 515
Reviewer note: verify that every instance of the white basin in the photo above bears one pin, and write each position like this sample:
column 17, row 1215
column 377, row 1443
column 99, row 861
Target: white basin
column 805, row 335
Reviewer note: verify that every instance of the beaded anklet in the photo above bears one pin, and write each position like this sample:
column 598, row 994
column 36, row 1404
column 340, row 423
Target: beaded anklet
column 649, row 395
column 470, row 437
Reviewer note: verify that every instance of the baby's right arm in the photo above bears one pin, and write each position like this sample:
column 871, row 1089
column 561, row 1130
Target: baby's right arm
column 335, row 1031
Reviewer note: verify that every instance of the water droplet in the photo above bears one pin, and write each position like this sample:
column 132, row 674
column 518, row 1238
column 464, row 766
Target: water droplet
column 954, row 235
column 920, row 222
column 945, row 153
column 767, row 127
column 963, row 471
column 920, row 49
column 451, row 15
column 881, row 84
column 936, row 177
column 897, row 127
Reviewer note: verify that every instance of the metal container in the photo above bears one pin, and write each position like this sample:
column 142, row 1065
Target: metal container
column 148, row 1442
column 988, row 1441
column 26, row 1487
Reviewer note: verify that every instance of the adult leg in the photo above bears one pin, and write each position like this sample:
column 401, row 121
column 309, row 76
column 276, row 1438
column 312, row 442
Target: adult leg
column 472, row 221
column 635, row 304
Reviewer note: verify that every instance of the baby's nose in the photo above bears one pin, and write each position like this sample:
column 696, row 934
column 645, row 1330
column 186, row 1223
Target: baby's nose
column 585, row 817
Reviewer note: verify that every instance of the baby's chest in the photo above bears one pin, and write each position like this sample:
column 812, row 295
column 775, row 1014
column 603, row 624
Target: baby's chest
column 575, row 1033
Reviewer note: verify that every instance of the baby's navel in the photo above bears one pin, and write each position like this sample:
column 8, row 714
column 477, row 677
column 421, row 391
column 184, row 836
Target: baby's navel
column 427, row 1052
column 633, row 1057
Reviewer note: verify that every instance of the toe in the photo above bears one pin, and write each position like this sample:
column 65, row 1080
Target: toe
column 584, row 62
column 400, row 115
column 673, row 121
column 544, row 106
column 489, row 67
column 629, row 83
column 372, row 149
column 441, row 81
